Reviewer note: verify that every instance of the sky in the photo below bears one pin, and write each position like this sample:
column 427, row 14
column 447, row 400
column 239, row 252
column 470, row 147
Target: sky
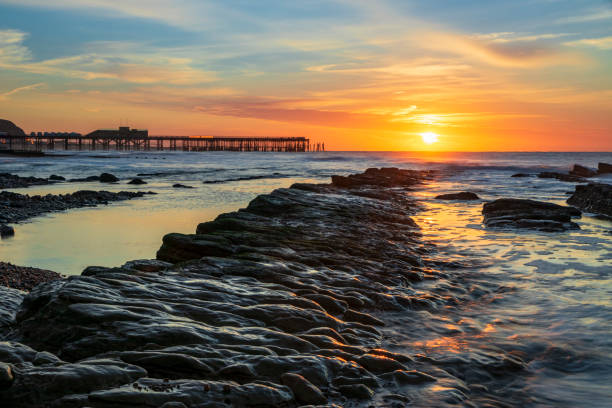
column 454, row 75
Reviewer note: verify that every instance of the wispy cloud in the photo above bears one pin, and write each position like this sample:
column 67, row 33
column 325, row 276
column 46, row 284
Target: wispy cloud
column 5, row 95
column 604, row 43
column 594, row 15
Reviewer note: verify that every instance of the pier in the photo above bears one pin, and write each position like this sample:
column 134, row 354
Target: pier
column 95, row 141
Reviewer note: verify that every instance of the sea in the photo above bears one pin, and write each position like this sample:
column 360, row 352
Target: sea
column 553, row 302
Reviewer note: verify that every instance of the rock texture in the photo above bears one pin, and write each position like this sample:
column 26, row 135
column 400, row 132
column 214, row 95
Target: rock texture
column 582, row 171
column 8, row 180
column 23, row 277
column 518, row 213
column 269, row 306
column 16, row 207
column 594, row 198
column 604, row 168
column 281, row 304
column 137, row 181
column 570, row 178
column 10, row 128
column 464, row 195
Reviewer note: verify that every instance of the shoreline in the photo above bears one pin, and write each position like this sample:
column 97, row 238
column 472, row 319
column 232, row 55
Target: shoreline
column 300, row 292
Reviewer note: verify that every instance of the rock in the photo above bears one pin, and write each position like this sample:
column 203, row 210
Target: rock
column 465, row 195
column 108, row 178
column 519, row 213
column 383, row 177
column 357, row 391
column 594, row 198
column 6, row 231
column 582, row 171
column 570, row 178
column 303, row 390
column 6, row 376
column 89, row 178
column 8, row 127
column 24, row 277
column 604, row 168
column 57, row 178
column 293, row 289
column 8, row 180
column 16, row 207
column 178, row 185
column 137, row 181
column 521, row 175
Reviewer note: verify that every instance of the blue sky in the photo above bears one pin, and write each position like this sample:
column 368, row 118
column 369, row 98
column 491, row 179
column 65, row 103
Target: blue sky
column 339, row 69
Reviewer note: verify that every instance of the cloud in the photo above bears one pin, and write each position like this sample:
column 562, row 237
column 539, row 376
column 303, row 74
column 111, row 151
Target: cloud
column 129, row 67
column 596, row 15
column 604, row 43
column 5, row 95
column 510, row 37
column 11, row 48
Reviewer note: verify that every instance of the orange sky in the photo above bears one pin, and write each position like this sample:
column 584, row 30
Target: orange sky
column 358, row 75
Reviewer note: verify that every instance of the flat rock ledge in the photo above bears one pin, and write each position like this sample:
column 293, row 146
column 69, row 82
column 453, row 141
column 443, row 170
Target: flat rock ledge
column 16, row 207
column 464, row 196
column 594, row 198
column 529, row 214
column 269, row 306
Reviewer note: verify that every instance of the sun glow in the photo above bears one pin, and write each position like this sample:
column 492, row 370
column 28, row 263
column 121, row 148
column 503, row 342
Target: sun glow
column 429, row 137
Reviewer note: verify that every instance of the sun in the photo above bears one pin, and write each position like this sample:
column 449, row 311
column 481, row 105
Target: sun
column 429, row 137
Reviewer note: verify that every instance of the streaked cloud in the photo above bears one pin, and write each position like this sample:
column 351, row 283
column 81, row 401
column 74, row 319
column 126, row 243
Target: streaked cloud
column 5, row 95
column 604, row 43
column 594, row 15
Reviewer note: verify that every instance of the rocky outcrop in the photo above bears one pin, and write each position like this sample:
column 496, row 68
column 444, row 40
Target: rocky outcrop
column 582, row 171
column 137, row 181
column 384, row 177
column 538, row 215
column 8, row 180
column 16, row 207
column 108, row 178
column 55, row 177
column 281, row 304
column 604, row 168
column 8, row 127
column 23, row 277
column 179, row 185
column 6, row 231
column 521, row 175
column 594, row 198
column 464, row 195
column 570, row 178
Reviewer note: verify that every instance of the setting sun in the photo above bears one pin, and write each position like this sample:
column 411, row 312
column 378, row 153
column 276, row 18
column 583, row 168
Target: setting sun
column 429, row 137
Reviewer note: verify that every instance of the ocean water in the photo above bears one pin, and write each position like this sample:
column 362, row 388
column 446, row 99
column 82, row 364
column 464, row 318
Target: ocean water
column 545, row 297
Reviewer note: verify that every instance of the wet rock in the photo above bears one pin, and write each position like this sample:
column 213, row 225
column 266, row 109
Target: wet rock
column 465, row 195
column 379, row 364
column 304, row 391
column 137, row 181
column 521, row 175
column 594, row 198
column 384, row 177
column 85, row 179
column 147, row 265
column 108, row 178
column 6, row 231
column 570, row 178
column 55, row 177
column 530, row 214
column 604, row 168
column 582, row 171
column 6, row 376
column 178, row 185
column 10, row 300
column 357, row 391
column 19, row 207
column 8, row 180
column 410, row 377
